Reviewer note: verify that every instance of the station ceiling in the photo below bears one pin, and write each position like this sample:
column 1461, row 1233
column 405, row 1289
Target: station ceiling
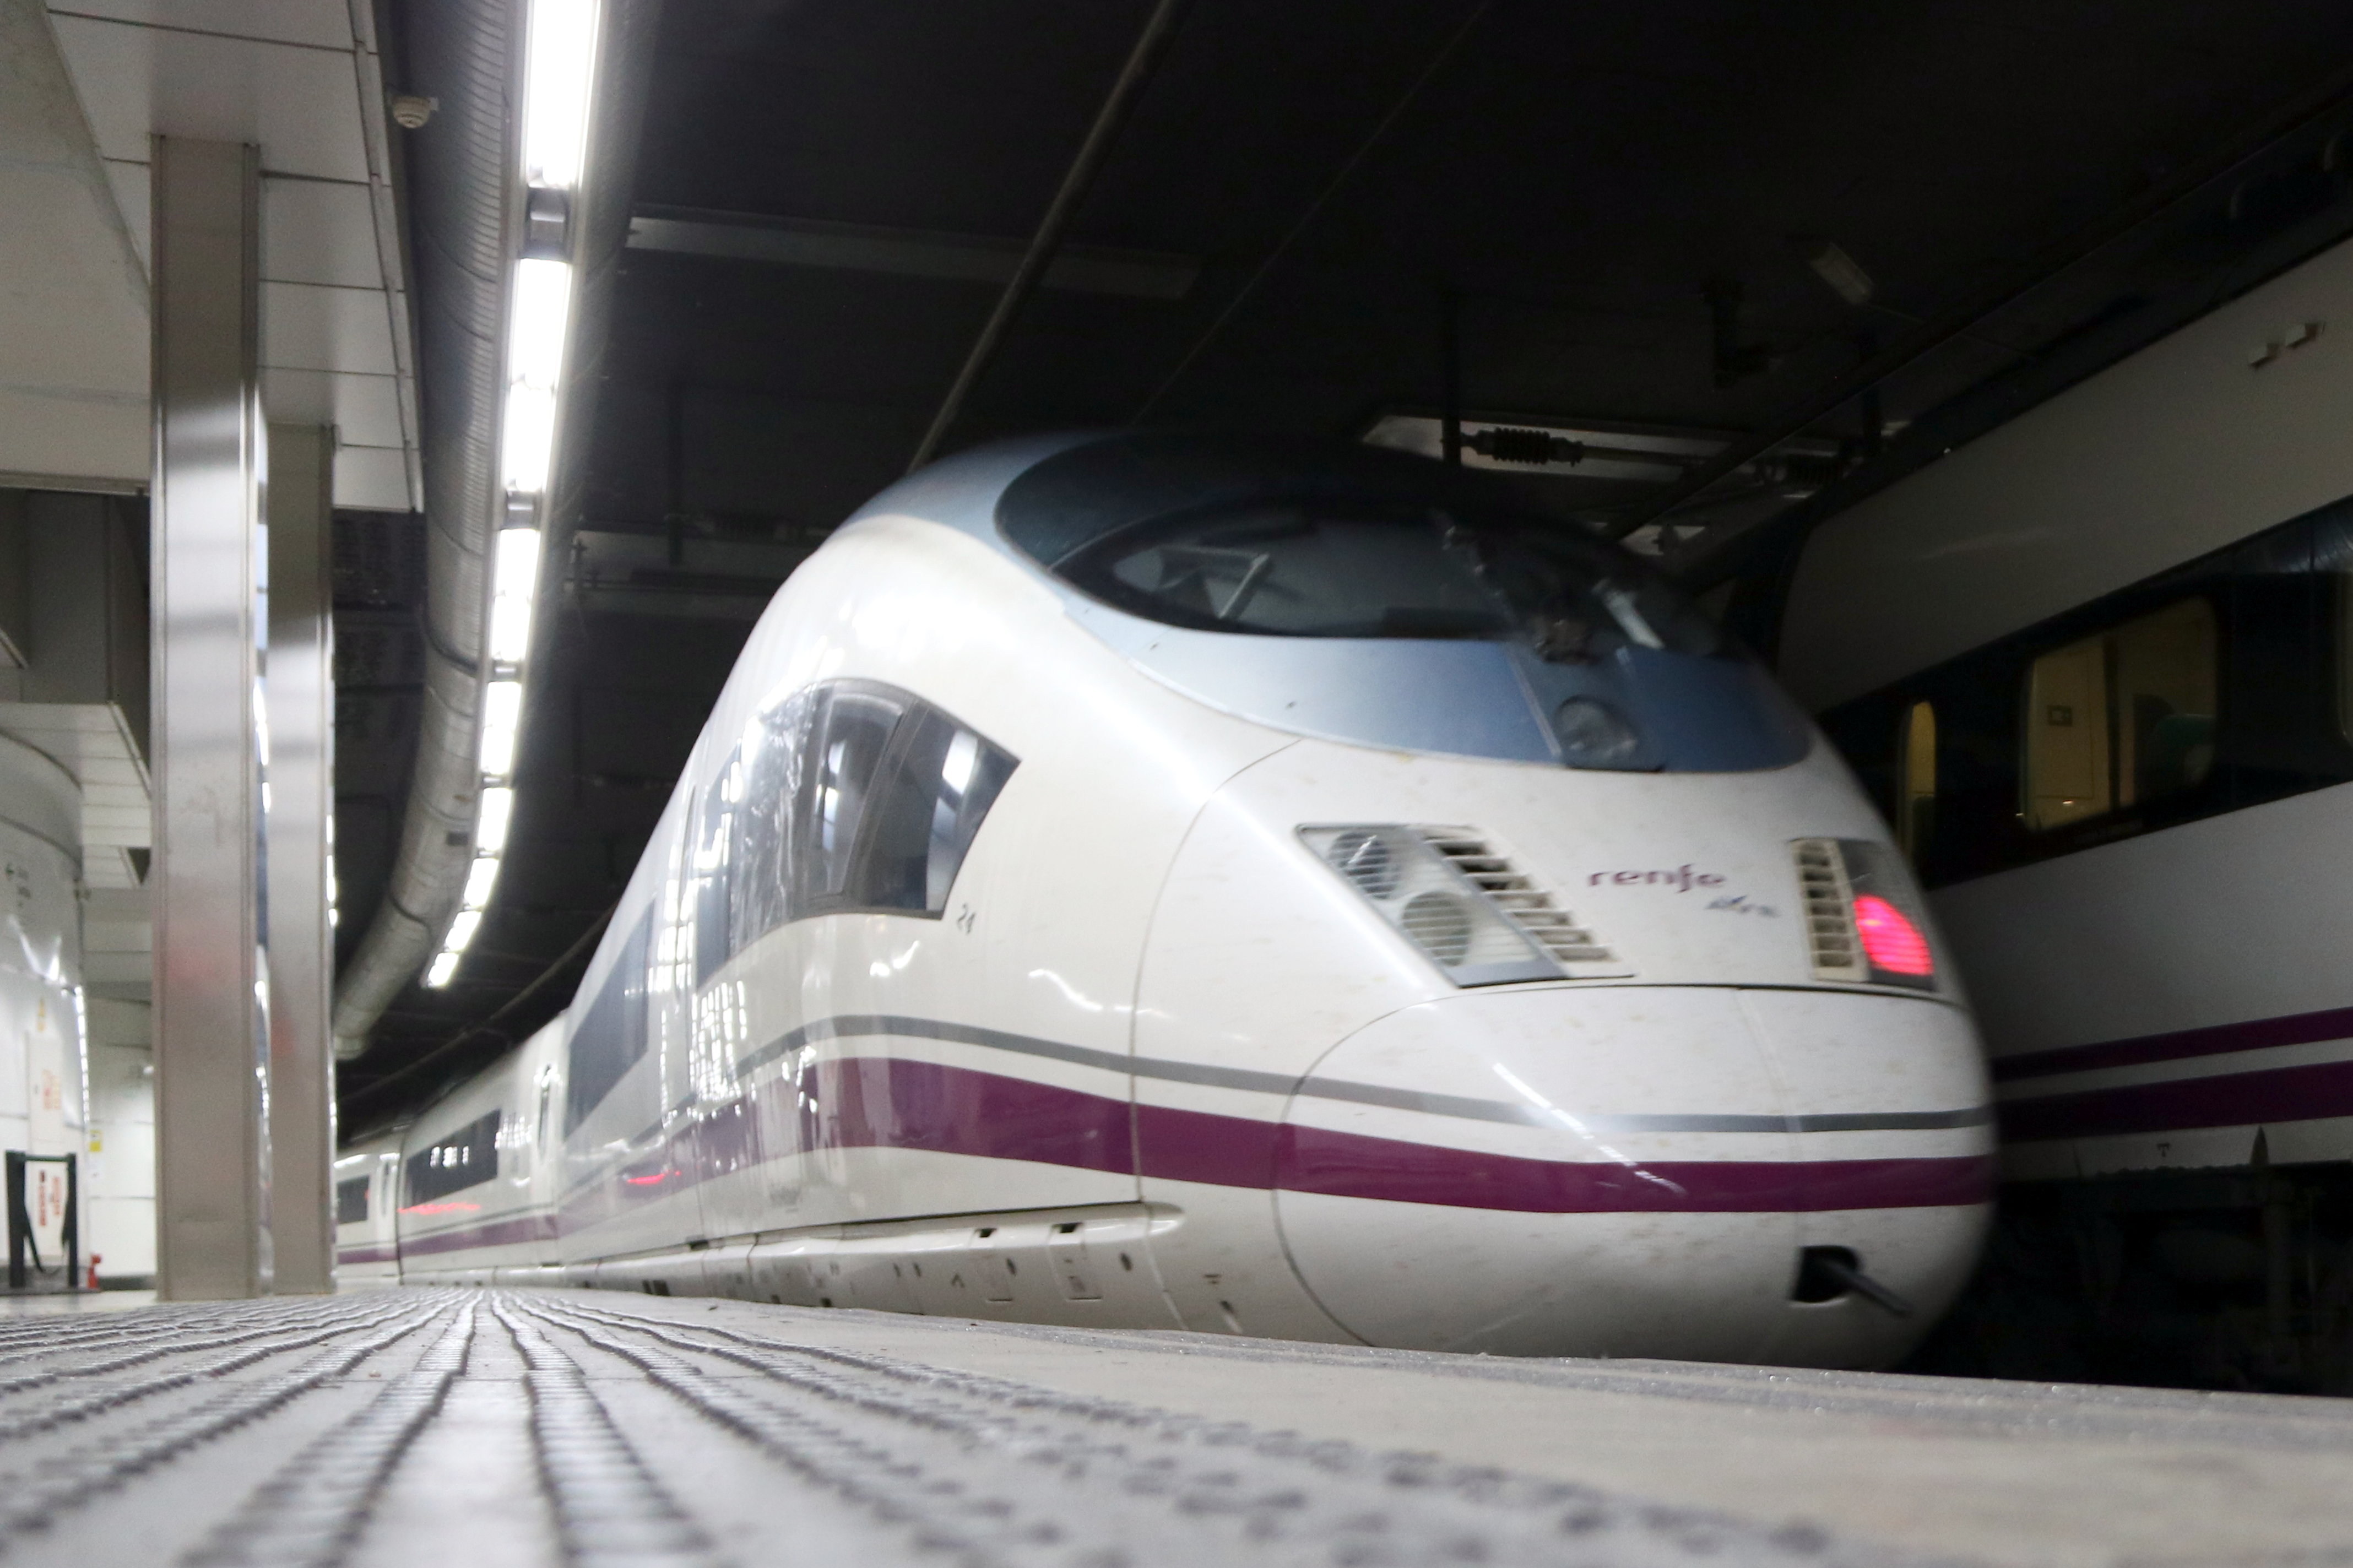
column 1624, row 209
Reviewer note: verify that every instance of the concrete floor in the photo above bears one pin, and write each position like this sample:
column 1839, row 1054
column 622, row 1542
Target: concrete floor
column 408, row 1427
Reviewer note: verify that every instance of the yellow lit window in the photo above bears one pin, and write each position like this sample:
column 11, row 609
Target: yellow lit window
column 2120, row 718
column 1915, row 779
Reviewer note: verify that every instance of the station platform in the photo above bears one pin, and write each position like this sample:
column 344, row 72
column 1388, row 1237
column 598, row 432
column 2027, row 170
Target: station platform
column 407, row 1427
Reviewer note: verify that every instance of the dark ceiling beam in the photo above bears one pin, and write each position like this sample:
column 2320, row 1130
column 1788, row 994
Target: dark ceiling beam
column 2220, row 163
column 908, row 252
column 1158, row 29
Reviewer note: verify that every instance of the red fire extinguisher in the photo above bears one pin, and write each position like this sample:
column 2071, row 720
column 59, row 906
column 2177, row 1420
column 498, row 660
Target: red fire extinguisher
column 94, row 1261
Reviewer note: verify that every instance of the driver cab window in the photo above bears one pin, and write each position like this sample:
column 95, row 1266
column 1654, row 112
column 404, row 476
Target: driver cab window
column 852, row 732
column 2120, row 718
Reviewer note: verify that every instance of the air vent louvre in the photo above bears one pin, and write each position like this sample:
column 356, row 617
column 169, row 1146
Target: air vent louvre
column 1830, row 911
column 1511, row 890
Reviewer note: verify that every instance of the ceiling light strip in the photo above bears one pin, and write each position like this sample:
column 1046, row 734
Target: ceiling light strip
column 559, row 79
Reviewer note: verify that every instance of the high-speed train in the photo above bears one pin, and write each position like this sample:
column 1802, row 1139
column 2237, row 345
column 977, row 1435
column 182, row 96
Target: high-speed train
column 367, row 1216
column 2099, row 663
column 1165, row 879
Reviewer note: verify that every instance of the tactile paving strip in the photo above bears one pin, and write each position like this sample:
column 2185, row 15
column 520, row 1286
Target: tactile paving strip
column 610, row 1509
column 1000, row 1472
column 679, row 1444
column 313, row 1509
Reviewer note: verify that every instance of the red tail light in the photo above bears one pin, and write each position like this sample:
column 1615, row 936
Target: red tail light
column 1865, row 923
column 1890, row 940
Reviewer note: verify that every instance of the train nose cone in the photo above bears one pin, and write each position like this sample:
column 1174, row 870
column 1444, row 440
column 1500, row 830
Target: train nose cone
column 1611, row 1171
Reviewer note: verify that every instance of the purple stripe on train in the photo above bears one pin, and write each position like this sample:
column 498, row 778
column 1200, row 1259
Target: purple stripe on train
column 2219, row 1039
column 2231, row 1099
column 886, row 1102
column 492, row 1233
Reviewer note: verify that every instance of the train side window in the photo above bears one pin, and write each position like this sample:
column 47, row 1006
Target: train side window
column 764, row 848
column 2344, row 646
column 611, row 1034
column 942, row 780
column 850, row 795
column 465, row 1158
column 352, row 1201
column 1915, row 781
column 848, row 741
column 2122, row 718
column 715, row 837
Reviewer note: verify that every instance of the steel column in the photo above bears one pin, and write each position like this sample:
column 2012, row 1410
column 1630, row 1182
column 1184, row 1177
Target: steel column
column 300, row 685
column 212, row 1064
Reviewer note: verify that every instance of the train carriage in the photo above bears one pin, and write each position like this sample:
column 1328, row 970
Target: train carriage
column 2098, row 666
column 478, row 1174
column 1254, row 887
column 367, row 1212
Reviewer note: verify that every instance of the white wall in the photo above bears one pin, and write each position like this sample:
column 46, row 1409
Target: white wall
column 119, row 1175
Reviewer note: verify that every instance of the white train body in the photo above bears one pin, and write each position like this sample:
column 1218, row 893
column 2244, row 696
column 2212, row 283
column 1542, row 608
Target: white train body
column 367, row 1212
column 2125, row 622
column 1288, row 985
column 478, row 1174
column 2161, row 985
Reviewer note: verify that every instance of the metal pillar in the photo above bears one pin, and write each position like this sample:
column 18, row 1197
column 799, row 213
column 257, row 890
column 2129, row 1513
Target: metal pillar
column 300, row 685
column 212, row 1218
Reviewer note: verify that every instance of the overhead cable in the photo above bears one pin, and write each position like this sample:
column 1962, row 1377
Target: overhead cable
column 1158, row 29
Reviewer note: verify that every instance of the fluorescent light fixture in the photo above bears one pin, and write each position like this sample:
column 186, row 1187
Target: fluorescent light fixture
column 491, row 832
column 514, row 587
column 559, row 68
column 536, row 325
column 462, row 931
column 1842, row 272
column 510, row 628
column 480, row 878
column 445, row 964
column 501, row 719
column 528, row 440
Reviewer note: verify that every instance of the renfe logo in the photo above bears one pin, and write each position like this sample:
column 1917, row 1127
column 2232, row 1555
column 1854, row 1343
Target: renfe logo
column 1683, row 879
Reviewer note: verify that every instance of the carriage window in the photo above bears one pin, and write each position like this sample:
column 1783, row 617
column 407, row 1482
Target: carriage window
column 465, row 1158
column 1915, row 783
column 2344, row 654
column 2121, row 718
column 611, row 1034
column 707, row 866
column 350, row 1201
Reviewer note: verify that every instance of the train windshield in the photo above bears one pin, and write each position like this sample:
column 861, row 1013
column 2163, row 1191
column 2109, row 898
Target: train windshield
column 1380, row 598
column 1344, row 568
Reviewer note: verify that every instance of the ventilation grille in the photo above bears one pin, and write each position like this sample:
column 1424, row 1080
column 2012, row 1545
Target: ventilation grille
column 1830, row 911
column 1511, row 890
